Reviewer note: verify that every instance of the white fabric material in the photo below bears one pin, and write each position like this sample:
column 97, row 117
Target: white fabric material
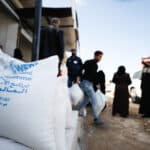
column 59, row 114
column 76, row 94
column 63, row 103
column 26, row 95
column 6, row 144
column 68, row 104
column 101, row 101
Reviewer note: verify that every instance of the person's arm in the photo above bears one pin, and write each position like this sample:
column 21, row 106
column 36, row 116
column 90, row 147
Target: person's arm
column 129, row 80
column 80, row 62
column 67, row 63
column 79, row 76
column 114, row 80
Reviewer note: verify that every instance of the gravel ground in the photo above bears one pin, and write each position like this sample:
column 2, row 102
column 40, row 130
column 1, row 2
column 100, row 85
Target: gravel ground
column 117, row 133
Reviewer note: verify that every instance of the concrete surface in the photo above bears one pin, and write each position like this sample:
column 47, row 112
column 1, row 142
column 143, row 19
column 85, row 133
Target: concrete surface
column 117, row 133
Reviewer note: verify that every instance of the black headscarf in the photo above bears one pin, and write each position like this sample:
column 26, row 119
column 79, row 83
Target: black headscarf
column 121, row 70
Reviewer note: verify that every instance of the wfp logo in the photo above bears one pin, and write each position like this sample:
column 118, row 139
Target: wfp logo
column 21, row 68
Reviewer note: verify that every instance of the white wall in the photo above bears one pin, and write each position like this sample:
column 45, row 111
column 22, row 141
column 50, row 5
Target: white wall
column 57, row 3
column 8, row 32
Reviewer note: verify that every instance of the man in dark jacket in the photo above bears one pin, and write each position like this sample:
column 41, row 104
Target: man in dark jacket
column 74, row 64
column 90, row 68
column 52, row 42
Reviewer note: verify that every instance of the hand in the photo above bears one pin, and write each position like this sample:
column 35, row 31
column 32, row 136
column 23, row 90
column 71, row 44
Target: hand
column 98, row 86
column 78, row 80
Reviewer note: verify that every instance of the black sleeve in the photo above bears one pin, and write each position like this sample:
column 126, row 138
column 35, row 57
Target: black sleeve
column 80, row 61
column 129, row 79
column 81, row 69
column 67, row 63
column 114, row 80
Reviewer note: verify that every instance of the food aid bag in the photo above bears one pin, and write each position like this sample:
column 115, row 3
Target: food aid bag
column 101, row 101
column 26, row 105
column 76, row 94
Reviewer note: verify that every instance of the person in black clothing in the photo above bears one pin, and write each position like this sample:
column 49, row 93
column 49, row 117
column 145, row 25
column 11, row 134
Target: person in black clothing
column 74, row 64
column 100, row 81
column 145, row 87
column 52, row 42
column 89, row 70
column 122, row 80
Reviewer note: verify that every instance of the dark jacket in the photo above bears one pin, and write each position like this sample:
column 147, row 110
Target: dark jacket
column 121, row 97
column 74, row 64
column 100, row 79
column 52, row 42
column 145, row 87
column 90, row 70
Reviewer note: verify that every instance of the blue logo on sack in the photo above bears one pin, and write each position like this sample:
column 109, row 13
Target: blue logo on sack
column 20, row 68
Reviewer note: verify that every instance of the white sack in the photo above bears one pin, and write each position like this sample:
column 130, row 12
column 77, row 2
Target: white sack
column 101, row 101
column 76, row 94
column 59, row 114
column 26, row 95
column 7, row 144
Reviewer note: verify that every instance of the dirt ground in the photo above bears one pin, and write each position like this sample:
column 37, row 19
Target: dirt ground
column 132, row 133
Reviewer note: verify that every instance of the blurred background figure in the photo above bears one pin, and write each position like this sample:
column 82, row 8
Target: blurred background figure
column 100, row 81
column 89, row 74
column 122, row 80
column 52, row 42
column 18, row 54
column 74, row 64
column 145, row 87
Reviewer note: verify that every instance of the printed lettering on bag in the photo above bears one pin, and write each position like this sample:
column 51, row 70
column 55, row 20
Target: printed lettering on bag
column 4, row 101
column 16, row 80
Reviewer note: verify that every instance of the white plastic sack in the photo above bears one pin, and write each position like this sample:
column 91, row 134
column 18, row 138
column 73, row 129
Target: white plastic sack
column 66, row 96
column 26, row 98
column 76, row 94
column 7, row 144
column 59, row 113
column 62, row 113
column 101, row 101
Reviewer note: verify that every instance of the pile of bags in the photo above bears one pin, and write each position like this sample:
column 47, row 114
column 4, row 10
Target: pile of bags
column 35, row 108
column 77, row 96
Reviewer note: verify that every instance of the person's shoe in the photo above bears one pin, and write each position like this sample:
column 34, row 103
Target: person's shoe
column 145, row 116
column 113, row 113
column 82, row 112
column 98, row 122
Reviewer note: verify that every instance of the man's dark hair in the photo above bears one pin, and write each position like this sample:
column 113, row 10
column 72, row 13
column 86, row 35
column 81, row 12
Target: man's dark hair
column 55, row 20
column 98, row 53
column 73, row 49
column 18, row 53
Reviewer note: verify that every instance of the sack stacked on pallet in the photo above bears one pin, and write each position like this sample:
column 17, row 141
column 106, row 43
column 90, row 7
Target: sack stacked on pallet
column 32, row 104
column 7, row 144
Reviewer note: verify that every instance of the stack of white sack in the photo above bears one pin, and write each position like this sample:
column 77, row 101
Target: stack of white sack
column 77, row 96
column 35, row 109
